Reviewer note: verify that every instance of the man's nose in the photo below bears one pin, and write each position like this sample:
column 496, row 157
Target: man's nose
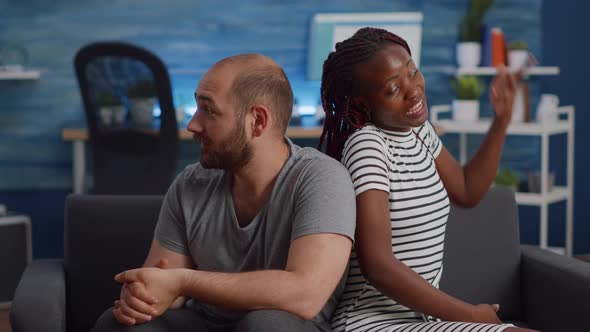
column 195, row 125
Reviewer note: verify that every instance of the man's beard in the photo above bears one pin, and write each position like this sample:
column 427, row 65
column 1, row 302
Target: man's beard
column 231, row 154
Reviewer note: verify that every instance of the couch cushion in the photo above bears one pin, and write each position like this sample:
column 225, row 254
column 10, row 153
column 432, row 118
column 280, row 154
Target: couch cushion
column 482, row 253
column 104, row 235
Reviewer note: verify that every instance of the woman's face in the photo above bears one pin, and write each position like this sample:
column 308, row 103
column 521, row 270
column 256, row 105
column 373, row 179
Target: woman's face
column 393, row 89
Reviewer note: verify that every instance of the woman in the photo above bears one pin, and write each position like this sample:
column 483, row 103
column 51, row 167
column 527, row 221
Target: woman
column 376, row 124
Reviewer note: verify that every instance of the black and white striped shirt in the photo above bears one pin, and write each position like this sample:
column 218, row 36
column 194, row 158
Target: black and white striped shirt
column 402, row 164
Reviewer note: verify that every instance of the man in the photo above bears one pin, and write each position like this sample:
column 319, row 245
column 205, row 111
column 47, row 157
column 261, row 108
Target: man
column 258, row 234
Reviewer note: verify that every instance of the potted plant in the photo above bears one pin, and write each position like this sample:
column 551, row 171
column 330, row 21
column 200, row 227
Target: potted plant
column 467, row 89
column 110, row 108
column 142, row 98
column 507, row 178
column 469, row 45
column 518, row 54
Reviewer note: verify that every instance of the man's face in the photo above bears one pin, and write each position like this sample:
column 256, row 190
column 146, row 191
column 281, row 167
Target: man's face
column 218, row 124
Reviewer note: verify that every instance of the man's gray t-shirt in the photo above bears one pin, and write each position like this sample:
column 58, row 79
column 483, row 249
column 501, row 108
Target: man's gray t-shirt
column 313, row 194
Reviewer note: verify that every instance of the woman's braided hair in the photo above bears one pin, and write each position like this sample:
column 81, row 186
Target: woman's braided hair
column 344, row 113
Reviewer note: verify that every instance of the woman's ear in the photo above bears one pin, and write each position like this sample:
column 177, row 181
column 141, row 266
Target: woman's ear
column 261, row 117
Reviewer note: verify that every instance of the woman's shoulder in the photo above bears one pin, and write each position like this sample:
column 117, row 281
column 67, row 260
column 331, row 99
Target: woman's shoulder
column 368, row 138
column 367, row 131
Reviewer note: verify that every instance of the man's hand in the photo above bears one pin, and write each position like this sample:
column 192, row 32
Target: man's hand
column 135, row 302
column 485, row 313
column 163, row 285
column 134, row 305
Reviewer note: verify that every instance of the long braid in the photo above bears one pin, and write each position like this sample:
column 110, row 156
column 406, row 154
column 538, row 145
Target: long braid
column 344, row 112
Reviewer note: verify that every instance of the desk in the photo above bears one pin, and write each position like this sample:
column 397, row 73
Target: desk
column 78, row 137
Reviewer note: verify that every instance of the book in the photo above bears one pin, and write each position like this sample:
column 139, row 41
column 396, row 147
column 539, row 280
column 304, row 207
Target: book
column 498, row 47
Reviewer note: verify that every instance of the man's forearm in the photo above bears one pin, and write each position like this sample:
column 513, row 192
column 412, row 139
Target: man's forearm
column 268, row 289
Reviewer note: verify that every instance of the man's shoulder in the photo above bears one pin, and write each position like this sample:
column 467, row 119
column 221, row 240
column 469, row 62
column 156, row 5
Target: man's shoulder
column 310, row 158
column 314, row 168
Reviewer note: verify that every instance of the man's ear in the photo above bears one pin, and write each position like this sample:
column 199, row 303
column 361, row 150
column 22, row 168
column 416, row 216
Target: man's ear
column 261, row 116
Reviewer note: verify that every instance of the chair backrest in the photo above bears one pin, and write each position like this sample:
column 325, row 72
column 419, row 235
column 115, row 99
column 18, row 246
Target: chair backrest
column 121, row 86
column 104, row 235
column 482, row 253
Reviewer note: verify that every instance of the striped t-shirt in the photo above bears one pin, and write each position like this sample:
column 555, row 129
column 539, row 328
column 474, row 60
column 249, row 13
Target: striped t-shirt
column 402, row 164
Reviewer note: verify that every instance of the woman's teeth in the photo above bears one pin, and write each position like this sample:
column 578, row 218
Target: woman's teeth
column 416, row 108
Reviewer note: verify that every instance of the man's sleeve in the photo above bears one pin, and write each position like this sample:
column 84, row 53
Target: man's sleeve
column 324, row 200
column 171, row 227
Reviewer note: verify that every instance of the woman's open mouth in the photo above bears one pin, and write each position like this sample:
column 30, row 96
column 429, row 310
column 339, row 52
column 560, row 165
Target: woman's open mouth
column 417, row 110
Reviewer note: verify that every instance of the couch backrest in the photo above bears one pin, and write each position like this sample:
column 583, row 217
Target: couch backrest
column 104, row 235
column 482, row 253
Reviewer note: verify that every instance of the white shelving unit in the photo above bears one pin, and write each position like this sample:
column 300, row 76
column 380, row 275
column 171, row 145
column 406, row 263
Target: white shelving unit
column 544, row 131
column 488, row 71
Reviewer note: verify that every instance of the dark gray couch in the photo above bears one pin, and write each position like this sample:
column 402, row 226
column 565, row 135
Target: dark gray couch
column 484, row 263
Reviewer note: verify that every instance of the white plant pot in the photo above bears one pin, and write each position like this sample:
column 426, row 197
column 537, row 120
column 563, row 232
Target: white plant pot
column 142, row 111
column 465, row 110
column 468, row 54
column 518, row 58
column 112, row 115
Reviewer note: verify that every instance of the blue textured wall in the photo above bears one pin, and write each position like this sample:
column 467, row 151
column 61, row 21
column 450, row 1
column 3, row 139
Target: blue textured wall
column 190, row 36
column 565, row 42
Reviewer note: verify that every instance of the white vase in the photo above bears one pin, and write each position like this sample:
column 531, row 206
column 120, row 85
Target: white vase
column 518, row 106
column 468, row 54
column 465, row 110
column 518, row 58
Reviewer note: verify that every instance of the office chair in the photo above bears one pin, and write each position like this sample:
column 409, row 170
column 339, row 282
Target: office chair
column 134, row 149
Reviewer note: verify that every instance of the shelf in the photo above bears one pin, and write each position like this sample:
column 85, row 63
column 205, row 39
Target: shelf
column 20, row 75
column 493, row 70
column 557, row 194
column 487, row 71
column 482, row 126
column 557, row 250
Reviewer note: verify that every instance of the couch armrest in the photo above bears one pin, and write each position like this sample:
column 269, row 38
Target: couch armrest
column 556, row 290
column 39, row 302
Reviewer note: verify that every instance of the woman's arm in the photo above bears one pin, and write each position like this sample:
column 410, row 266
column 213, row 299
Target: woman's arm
column 396, row 280
column 466, row 185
